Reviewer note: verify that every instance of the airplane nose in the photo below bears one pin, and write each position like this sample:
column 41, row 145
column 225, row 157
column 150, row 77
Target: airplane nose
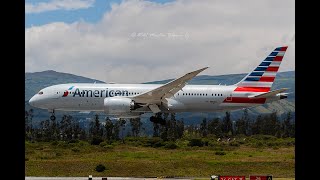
column 32, row 101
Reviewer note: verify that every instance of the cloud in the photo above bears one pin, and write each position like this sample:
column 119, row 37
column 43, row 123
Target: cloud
column 58, row 5
column 228, row 36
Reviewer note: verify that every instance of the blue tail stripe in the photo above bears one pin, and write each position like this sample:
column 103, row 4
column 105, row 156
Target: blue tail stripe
column 269, row 59
column 273, row 54
column 256, row 74
column 252, row 79
column 265, row 64
column 260, row 69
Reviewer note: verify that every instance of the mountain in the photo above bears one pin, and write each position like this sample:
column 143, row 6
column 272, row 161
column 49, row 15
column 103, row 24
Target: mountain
column 38, row 80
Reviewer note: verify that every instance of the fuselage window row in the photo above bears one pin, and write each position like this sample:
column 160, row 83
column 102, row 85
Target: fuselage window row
column 197, row 94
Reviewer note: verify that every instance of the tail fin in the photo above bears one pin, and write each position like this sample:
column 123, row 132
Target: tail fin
column 263, row 76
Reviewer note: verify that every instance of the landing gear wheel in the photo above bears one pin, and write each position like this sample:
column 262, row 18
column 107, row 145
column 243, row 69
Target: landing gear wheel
column 153, row 119
column 53, row 117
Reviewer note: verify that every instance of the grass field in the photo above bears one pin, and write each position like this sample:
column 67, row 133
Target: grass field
column 80, row 159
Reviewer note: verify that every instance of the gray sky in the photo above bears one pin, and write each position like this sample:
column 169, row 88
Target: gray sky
column 138, row 41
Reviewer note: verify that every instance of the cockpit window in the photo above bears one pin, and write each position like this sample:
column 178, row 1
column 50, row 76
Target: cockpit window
column 41, row 92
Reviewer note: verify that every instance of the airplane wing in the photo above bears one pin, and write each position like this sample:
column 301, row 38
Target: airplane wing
column 158, row 95
column 269, row 94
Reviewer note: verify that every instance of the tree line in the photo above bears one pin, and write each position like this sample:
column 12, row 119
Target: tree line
column 68, row 128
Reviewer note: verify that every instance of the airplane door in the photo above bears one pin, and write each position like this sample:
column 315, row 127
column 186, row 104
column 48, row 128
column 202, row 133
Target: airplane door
column 229, row 97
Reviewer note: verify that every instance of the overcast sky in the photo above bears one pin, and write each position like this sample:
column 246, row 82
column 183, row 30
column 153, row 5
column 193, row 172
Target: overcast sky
column 136, row 41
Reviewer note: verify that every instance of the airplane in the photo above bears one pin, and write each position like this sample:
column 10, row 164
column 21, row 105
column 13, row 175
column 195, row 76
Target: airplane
column 132, row 100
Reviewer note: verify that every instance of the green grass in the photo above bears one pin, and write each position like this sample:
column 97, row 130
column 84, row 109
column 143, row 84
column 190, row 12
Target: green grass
column 80, row 159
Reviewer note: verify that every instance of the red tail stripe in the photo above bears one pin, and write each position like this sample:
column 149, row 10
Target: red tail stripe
column 253, row 89
column 266, row 79
column 246, row 100
column 284, row 48
column 271, row 68
column 278, row 58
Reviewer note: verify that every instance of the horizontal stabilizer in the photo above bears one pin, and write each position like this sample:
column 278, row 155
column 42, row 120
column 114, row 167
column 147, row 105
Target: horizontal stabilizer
column 269, row 94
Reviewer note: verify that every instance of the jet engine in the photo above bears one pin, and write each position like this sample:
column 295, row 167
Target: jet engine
column 119, row 105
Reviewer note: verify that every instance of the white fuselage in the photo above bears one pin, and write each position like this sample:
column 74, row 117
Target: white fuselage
column 90, row 97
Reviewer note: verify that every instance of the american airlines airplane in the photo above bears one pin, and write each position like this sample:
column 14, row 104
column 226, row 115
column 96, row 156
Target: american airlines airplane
column 132, row 100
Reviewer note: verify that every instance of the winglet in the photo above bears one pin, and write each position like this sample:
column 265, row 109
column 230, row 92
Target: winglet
column 197, row 71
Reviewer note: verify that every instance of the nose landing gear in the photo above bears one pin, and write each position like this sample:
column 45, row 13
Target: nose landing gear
column 52, row 117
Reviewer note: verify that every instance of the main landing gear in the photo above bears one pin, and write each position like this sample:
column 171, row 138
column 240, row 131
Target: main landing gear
column 159, row 120
column 52, row 117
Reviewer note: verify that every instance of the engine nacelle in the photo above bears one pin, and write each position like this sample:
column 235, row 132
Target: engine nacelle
column 119, row 105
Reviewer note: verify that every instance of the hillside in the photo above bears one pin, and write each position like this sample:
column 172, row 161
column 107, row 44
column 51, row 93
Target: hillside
column 38, row 80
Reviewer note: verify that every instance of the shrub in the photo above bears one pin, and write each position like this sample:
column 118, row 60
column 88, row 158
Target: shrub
column 275, row 147
column 170, row 145
column 96, row 140
column 73, row 141
column 195, row 142
column 158, row 144
column 54, row 143
column 273, row 144
column 100, row 168
column 233, row 143
column 205, row 142
column 220, row 153
column 62, row 144
column 213, row 143
column 82, row 143
column 258, row 144
column 75, row 149
column 102, row 144
column 108, row 146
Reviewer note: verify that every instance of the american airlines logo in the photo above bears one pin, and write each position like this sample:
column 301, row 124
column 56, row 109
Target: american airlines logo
column 95, row 93
column 65, row 93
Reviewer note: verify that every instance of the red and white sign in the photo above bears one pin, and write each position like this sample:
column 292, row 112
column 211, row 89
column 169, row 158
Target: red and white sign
column 260, row 177
column 232, row 178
